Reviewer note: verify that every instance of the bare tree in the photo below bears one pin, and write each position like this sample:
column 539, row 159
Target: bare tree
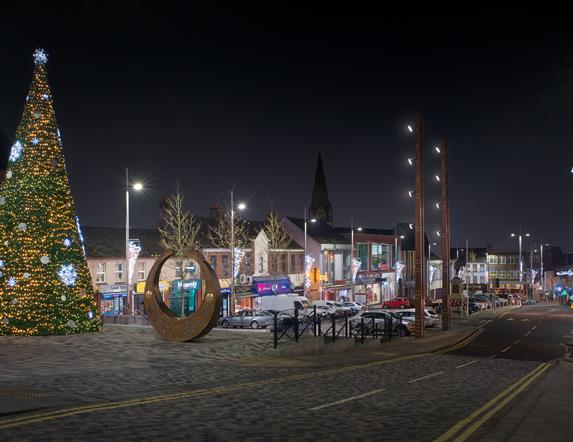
column 277, row 239
column 179, row 231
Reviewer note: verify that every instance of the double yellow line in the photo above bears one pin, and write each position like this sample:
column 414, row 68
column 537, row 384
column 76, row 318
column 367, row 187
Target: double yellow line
column 463, row 342
column 462, row 430
column 105, row 406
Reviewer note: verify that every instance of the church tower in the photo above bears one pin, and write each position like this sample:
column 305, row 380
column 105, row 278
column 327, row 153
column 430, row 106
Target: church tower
column 320, row 207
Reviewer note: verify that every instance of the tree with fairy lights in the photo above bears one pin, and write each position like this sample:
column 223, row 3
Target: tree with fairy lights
column 45, row 285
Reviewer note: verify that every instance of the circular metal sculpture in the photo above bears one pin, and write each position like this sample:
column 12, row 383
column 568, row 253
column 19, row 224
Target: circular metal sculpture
column 164, row 321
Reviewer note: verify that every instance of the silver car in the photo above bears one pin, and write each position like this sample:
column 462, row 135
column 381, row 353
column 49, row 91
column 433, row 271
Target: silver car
column 249, row 318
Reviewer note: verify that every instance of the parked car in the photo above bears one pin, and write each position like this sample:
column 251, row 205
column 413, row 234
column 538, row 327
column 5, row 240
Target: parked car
column 339, row 308
column 249, row 318
column 354, row 306
column 431, row 319
column 399, row 302
column 407, row 324
column 379, row 318
column 324, row 311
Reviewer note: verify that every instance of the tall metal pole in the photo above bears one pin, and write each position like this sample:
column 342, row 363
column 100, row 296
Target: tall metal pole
column 232, row 306
column 445, row 235
column 531, row 271
column 395, row 263
column 305, row 264
column 467, row 280
column 351, row 257
column 419, row 294
column 428, row 270
column 541, row 277
column 521, row 265
column 126, row 268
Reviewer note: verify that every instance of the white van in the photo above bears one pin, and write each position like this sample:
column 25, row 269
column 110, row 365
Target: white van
column 284, row 303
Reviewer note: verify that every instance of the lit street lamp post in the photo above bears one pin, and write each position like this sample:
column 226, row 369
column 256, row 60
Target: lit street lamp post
column 241, row 206
column 396, row 259
column 513, row 235
column 306, row 281
column 137, row 187
column 352, row 256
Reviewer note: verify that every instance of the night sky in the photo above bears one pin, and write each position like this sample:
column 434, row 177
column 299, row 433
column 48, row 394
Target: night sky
column 214, row 99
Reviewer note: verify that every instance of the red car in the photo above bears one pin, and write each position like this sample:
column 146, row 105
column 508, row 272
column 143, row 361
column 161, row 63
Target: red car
column 397, row 303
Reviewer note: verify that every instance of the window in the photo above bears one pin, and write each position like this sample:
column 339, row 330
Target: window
column 301, row 264
column 225, row 266
column 502, row 260
column 100, row 272
column 501, row 274
column 475, row 279
column 292, row 264
column 248, row 269
column 511, row 259
column 363, row 256
column 493, row 273
column 141, row 271
column 482, row 267
column 261, row 264
column 283, row 263
column 119, row 271
column 213, row 262
column 493, row 259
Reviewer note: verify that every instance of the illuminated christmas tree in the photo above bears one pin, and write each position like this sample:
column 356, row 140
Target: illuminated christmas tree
column 45, row 286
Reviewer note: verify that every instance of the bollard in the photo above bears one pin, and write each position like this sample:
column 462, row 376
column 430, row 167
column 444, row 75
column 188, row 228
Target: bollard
column 320, row 326
column 362, row 329
column 295, row 323
column 333, row 328
column 275, row 314
column 346, row 326
column 374, row 329
column 314, row 319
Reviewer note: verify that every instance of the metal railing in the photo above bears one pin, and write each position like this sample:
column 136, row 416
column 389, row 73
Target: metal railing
column 292, row 327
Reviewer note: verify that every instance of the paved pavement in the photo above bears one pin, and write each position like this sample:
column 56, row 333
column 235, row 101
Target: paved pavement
column 127, row 384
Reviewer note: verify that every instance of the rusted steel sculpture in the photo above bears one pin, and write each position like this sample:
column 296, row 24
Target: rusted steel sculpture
column 164, row 321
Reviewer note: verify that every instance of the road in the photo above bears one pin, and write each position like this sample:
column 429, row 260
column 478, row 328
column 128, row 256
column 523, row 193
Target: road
column 423, row 398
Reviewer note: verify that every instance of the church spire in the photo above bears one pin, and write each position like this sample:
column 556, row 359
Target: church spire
column 320, row 207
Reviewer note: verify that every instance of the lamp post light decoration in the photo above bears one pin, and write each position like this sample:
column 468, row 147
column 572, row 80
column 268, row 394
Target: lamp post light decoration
column 520, row 236
column 234, row 264
column 308, row 260
column 128, row 252
column 353, row 276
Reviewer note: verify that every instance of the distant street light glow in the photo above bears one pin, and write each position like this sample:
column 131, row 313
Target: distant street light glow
column 410, row 193
column 410, row 161
column 438, row 149
column 138, row 186
column 410, row 128
column 438, row 178
column 241, row 206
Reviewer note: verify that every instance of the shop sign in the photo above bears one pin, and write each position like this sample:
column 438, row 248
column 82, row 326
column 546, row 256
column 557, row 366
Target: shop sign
column 271, row 287
column 113, row 288
column 140, row 286
column 226, row 291
column 108, row 296
column 188, row 284
column 568, row 272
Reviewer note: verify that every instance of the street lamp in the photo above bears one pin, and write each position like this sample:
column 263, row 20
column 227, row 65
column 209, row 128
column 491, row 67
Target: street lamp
column 138, row 187
column 520, row 235
column 396, row 258
column 359, row 229
column 240, row 206
column 306, row 258
column 430, row 244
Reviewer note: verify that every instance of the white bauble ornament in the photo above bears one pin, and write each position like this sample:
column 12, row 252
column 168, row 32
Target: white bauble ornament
column 37, row 114
column 14, row 301
column 63, row 297
column 2, row 200
column 26, row 275
column 6, row 243
column 9, row 174
column 22, row 227
column 5, row 320
column 44, row 260
column 71, row 323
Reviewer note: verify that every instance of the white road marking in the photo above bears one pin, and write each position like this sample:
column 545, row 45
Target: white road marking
column 533, row 328
column 466, row 364
column 505, row 349
column 518, row 341
column 528, row 333
column 342, row 401
column 510, row 319
column 425, row 377
column 523, row 320
column 492, row 356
